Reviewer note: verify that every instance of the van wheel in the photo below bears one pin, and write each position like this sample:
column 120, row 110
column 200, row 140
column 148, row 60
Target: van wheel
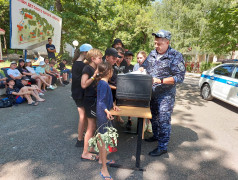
column 206, row 92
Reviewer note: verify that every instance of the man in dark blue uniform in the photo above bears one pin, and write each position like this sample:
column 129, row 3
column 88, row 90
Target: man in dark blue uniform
column 166, row 66
column 50, row 49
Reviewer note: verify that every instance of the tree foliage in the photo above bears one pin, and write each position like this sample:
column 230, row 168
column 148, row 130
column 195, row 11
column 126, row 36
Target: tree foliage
column 100, row 22
column 222, row 28
column 4, row 17
column 208, row 26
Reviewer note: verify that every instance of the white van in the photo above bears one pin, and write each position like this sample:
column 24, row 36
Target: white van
column 220, row 82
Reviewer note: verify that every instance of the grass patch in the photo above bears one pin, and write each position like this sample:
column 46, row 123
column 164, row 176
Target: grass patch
column 5, row 64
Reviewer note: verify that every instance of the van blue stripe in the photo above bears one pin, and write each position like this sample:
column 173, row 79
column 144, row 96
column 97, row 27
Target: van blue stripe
column 221, row 80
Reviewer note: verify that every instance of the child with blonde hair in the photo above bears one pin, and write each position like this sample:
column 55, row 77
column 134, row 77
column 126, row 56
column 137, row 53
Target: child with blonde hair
column 88, row 82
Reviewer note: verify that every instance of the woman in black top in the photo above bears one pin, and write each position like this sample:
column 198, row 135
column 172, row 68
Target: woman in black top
column 88, row 82
column 21, row 68
column 77, row 90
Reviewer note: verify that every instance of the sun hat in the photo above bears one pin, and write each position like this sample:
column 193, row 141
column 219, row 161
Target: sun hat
column 42, row 63
column 85, row 47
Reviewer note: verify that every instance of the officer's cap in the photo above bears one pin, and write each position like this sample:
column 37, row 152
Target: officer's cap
column 162, row 34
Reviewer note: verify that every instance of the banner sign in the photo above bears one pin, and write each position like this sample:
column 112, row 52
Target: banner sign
column 31, row 26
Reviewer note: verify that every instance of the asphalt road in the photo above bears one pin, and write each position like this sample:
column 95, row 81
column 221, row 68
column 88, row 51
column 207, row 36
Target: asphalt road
column 38, row 142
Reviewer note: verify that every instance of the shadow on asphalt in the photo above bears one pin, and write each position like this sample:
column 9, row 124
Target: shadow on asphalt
column 186, row 158
column 226, row 105
column 38, row 143
column 188, row 95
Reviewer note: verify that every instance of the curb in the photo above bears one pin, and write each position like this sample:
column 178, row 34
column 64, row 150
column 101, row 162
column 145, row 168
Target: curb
column 196, row 75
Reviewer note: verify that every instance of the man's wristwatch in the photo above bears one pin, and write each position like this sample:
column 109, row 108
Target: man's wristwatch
column 161, row 80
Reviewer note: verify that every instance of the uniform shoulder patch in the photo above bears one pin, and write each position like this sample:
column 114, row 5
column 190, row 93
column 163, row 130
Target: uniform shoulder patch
column 181, row 66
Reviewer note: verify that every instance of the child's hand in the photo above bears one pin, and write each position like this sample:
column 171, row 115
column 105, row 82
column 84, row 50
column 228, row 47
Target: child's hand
column 109, row 116
column 141, row 69
column 116, row 108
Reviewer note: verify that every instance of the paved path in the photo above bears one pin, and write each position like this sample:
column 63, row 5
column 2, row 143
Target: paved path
column 38, row 142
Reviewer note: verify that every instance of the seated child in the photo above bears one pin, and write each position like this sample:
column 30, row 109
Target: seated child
column 47, row 71
column 14, row 74
column 54, row 71
column 34, row 88
column 21, row 68
column 63, row 70
column 31, row 72
column 18, row 96
column 40, row 70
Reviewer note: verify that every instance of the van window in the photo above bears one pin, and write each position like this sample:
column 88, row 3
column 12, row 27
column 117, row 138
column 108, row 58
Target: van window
column 225, row 70
column 236, row 73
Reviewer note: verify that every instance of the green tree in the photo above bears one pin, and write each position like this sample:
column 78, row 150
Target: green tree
column 4, row 18
column 100, row 22
column 185, row 19
column 207, row 26
column 222, row 29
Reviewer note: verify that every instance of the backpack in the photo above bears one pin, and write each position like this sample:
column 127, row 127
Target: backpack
column 5, row 102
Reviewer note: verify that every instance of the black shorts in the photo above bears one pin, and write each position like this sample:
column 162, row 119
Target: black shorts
column 90, row 106
column 79, row 102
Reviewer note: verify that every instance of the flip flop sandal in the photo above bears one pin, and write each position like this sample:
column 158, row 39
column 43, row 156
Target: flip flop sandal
column 110, row 162
column 93, row 158
column 34, row 103
column 105, row 177
column 41, row 101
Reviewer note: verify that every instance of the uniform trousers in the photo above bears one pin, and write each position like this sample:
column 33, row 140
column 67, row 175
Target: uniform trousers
column 161, row 106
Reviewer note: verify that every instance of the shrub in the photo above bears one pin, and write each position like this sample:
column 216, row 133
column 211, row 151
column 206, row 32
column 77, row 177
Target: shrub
column 205, row 66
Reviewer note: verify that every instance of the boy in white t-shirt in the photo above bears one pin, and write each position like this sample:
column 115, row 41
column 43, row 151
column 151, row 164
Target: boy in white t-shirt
column 14, row 74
